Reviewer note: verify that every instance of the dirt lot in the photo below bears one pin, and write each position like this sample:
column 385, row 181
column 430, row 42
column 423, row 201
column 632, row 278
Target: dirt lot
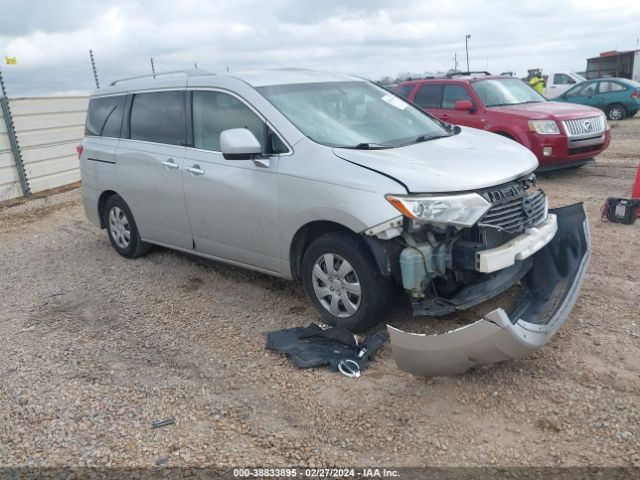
column 96, row 347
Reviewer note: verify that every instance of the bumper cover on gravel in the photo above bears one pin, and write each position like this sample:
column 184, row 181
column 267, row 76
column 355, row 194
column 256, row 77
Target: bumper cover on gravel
column 551, row 288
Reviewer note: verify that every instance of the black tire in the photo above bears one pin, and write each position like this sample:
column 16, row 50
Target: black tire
column 376, row 290
column 616, row 112
column 118, row 230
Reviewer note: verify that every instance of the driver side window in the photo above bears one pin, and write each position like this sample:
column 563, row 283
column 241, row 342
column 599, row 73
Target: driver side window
column 586, row 90
column 562, row 79
column 214, row 112
column 453, row 93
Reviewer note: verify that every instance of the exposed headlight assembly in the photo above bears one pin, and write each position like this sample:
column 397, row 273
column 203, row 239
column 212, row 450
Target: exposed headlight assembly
column 544, row 127
column 460, row 210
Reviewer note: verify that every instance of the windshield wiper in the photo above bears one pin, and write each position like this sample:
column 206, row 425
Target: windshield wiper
column 501, row 104
column 516, row 103
column 426, row 138
column 369, row 146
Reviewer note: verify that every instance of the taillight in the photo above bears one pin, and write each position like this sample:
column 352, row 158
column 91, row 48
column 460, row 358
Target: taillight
column 79, row 150
column 635, row 94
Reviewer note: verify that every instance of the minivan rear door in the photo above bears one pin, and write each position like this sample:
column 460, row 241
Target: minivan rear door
column 150, row 159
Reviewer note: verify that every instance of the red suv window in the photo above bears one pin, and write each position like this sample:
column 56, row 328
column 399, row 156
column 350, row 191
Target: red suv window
column 404, row 90
column 453, row 93
column 429, row 96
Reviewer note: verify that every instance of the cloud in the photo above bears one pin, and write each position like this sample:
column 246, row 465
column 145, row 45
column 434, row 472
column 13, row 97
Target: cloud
column 27, row 16
column 366, row 37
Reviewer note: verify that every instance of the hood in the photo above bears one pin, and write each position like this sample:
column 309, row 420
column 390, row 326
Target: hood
column 471, row 160
column 548, row 110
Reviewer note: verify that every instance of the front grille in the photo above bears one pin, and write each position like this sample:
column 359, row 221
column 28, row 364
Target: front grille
column 585, row 126
column 516, row 213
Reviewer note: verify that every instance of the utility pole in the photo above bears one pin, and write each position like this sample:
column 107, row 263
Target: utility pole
column 455, row 61
column 466, row 47
column 95, row 71
column 153, row 69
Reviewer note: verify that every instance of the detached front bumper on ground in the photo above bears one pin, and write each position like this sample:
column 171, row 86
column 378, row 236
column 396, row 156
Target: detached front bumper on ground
column 551, row 288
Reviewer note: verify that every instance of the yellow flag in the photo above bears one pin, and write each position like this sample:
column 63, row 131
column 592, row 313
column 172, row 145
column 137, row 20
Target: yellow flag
column 11, row 60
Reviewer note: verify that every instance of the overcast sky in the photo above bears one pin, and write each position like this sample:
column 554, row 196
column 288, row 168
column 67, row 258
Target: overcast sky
column 373, row 38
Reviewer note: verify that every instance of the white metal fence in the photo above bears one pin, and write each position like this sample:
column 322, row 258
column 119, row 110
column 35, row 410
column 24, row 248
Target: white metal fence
column 9, row 180
column 48, row 130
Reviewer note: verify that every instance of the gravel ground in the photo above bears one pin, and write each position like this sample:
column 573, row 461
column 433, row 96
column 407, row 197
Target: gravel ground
column 96, row 347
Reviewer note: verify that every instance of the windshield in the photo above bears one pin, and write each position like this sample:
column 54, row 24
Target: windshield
column 352, row 114
column 497, row 92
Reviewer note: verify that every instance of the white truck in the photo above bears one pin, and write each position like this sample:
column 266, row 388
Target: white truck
column 556, row 83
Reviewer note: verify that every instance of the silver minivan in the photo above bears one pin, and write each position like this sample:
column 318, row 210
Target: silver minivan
column 337, row 182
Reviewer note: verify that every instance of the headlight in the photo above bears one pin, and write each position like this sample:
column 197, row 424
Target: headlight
column 462, row 210
column 544, row 127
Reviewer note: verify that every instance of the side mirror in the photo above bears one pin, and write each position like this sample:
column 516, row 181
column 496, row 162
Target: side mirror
column 464, row 106
column 239, row 144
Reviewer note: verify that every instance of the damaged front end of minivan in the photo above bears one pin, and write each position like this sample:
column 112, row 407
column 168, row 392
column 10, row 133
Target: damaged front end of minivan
column 491, row 240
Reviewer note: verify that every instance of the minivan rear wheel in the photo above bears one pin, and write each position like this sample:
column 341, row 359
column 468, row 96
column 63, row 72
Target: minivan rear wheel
column 122, row 229
column 343, row 283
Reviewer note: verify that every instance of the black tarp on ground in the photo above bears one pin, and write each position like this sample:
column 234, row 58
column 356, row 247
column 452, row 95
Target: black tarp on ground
column 314, row 346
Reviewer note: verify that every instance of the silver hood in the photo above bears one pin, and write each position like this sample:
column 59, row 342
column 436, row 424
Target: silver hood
column 469, row 160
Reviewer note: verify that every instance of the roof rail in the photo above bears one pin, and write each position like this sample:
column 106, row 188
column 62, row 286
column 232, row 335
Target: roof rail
column 466, row 74
column 193, row 72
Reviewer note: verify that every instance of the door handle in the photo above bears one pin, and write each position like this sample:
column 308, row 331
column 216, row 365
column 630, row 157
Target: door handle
column 170, row 164
column 195, row 170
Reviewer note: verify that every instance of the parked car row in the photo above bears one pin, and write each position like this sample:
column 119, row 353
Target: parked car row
column 559, row 134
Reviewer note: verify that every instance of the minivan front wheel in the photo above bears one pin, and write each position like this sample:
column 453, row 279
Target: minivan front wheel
column 343, row 283
column 122, row 229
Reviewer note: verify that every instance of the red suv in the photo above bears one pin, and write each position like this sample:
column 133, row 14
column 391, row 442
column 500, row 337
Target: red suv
column 559, row 134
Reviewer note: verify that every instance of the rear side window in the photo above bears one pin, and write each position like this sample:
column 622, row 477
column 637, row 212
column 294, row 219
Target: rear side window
column 158, row 117
column 429, row 96
column 606, row 87
column 403, row 90
column 104, row 117
column 453, row 93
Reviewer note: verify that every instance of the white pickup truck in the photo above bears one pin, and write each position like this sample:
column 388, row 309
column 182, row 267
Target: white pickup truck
column 556, row 83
